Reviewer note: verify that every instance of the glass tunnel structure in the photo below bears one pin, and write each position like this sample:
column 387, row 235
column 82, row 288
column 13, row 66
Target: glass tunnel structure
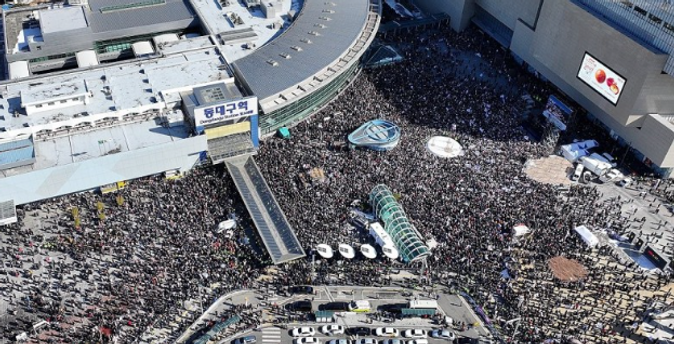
column 406, row 238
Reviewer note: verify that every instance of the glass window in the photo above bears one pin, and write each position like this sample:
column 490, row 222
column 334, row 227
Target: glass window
column 640, row 10
column 655, row 19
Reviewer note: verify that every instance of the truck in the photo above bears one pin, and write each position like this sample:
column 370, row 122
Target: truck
column 596, row 164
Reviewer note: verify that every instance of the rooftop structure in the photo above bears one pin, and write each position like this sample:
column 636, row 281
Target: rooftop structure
column 326, row 39
column 48, row 33
column 407, row 239
column 252, row 29
column 45, row 105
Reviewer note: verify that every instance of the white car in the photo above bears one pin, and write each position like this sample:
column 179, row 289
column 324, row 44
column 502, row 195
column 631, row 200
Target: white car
column 415, row 333
column 366, row 341
column 307, row 340
column 393, row 341
column 332, row 330
column 443, row 334
column 339, row 341
column 303, row 332
column 387, row 332
column 418, row 341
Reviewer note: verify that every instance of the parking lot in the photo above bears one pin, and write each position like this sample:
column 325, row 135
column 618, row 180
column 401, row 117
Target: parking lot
column 355, row 326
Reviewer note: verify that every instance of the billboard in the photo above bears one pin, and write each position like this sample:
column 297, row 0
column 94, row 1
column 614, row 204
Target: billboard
column 557, row 112
column 225, row 111
column 600, row 78
column 655, row 257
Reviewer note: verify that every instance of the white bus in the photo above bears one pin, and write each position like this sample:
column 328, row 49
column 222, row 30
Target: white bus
column 423, row 304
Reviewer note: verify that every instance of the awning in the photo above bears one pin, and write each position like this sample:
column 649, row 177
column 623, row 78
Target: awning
column 412, row 311
column 324, row 314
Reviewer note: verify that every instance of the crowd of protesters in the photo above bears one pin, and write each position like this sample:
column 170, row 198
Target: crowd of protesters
column 151, row 256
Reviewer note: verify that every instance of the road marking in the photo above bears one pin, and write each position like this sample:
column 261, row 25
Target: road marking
column 271, row 337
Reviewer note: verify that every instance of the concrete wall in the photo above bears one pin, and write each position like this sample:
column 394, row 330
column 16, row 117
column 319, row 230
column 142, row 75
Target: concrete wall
column 508, row 12
column 563, row 34
column 460, row 11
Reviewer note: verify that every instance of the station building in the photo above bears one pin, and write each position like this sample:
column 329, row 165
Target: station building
column 98, row 93
column 568, row 41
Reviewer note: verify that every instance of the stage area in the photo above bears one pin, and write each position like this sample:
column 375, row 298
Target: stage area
column 551, row 170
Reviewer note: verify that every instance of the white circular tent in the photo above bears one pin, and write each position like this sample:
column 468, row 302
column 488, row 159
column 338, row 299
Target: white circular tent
column 368, row 251
column 444, row 147
column 325, row 251
column 347, row 251
column 390, row 251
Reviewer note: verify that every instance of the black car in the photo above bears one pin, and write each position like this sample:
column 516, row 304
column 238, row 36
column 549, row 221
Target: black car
column 300, row 306
column 334, row 306
column 395, row 308
column 302, row 289
column 358, row 331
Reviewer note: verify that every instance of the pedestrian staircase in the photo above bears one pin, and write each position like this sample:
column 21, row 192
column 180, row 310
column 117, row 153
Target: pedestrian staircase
column 272, row 224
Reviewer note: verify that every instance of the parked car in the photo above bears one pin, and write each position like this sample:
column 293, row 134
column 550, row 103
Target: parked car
column 302, row 289
column 246, row 340
column 395, row 308
column 305, row 331
column 625, row 182
column 418, row 341
column 307, row 340
column 339, row 341
column 366, row 341
column 332, row 330
column 415, row 333
column 358, row 331
column 334, row 306
column 393, row 341
column 301, row 306
column 387, row 332
column 443, row 334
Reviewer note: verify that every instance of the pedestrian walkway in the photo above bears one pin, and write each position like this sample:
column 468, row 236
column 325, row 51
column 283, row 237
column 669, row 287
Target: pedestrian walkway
column 272, row 224
column 271, row 335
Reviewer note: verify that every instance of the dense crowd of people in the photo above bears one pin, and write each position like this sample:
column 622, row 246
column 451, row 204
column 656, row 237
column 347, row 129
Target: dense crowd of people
column 156, row 256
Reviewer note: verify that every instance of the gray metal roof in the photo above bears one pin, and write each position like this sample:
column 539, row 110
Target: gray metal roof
column 338, row 24
column 171, row 11
column 64, row 19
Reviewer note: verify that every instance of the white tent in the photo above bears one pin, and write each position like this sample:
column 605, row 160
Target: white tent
column 520, row 230
column 325, row 251
column 444, row 147
column 587, row 236
column 368, row 251
column 346, row 251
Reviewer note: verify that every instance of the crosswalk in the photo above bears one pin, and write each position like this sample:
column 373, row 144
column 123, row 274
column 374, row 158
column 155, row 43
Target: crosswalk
column 271, row 335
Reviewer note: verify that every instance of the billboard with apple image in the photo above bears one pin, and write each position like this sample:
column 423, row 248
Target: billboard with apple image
column 601, row 78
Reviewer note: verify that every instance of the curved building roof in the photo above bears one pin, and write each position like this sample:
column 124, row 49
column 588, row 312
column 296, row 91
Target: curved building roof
column 324, row 38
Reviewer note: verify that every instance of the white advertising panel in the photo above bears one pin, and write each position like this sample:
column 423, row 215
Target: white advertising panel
column 226, row 111
column 601, row 79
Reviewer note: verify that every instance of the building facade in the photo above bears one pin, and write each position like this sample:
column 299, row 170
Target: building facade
column 632, row 41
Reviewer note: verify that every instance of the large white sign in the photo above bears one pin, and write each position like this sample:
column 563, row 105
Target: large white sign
column 601, row 79
column 226, row 111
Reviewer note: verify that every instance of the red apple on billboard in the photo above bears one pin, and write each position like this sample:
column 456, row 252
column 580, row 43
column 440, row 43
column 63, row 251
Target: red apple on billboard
column 600, row 76
column 610, row 82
